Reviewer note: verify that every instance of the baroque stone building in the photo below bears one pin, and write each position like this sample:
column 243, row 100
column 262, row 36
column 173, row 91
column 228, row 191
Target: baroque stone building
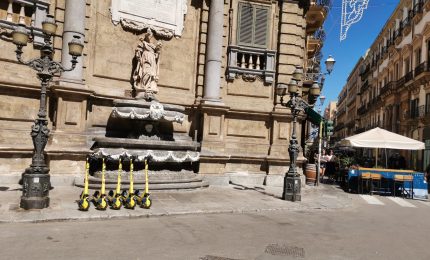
column 220, row 59
column 394, row 89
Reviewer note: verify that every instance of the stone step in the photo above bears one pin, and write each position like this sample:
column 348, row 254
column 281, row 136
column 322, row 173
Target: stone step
column 93, row 179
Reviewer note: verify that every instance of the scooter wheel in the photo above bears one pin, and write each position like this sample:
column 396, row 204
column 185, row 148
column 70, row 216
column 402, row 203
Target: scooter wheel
column 116, row 204
column 84, row 204
column 146, row 203
column 102, row 204
column 131, row 202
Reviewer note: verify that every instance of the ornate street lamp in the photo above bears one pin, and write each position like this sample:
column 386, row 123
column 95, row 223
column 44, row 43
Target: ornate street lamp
column 329, row 64
column 292, row 182
column 36, row 180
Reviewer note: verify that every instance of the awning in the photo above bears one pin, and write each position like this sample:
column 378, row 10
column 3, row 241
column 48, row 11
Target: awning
column 313, row 116
column 381, row 138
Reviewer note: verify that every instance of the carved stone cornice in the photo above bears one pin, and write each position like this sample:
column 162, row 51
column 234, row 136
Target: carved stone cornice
column 139, row 28
column 426, row 30
column 406, row 50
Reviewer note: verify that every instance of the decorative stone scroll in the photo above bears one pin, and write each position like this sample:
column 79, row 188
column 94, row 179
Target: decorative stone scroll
column 155, row 112
column 164, row 17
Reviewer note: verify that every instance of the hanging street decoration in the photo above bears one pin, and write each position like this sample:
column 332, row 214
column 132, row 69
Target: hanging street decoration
column 352, row 11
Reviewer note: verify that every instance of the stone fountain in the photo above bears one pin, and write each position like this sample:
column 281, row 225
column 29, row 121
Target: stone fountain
column 142, row 128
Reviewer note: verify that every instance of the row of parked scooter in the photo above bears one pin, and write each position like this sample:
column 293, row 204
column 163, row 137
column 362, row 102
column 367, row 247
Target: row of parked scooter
column 115, row 199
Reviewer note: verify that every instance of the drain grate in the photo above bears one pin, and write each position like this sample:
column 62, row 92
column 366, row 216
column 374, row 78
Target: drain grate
column 284, row 250
column 210, row 257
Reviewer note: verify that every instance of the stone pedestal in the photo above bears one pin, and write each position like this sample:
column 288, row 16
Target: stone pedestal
column 35, row 189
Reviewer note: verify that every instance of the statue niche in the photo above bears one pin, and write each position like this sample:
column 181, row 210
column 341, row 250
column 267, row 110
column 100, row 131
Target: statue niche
column 145, row 73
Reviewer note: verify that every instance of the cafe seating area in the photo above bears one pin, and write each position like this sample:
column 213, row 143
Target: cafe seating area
column 387, row 182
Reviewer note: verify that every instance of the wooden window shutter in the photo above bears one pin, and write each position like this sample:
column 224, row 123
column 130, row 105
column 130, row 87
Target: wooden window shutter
column 261, row 26
column 245, row 24
column 253, row 25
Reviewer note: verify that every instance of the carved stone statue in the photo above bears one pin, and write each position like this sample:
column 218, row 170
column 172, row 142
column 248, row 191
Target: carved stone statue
column 145, row 74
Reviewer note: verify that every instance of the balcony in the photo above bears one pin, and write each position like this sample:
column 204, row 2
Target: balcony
column 315, row 42
column 398, row 35
column 365, row 73
column 350, row 124
column 400, row 83
column 384, row 52
column 28, row 12
column 364, row 87
column 409, row 77
column 251, row 63
column 340, row 112
column 422, row 73
column 339, row 126
column 406, row 24
column 387, row 89
column 362, row 110
column 360, row 130
column 418, row 11
column 419, row 112
column 374, row 102
column 316, row 14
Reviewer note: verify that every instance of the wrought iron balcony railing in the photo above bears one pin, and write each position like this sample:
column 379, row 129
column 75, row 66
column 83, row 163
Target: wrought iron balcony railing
column 409, row 76
column 362, row 110
column 423, row 67
column 389, row 86
column 418, row 7
column 407, row 21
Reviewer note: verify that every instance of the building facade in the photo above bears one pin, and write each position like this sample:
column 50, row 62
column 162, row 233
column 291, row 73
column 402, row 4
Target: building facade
column 221, row 60
column 395, row 88
column 330, row 111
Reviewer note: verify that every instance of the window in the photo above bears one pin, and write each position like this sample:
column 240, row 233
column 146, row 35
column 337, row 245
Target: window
column 253, row 25
column 397, row 71
column 417, row 57
column 427, row 103
column 407, row 65
column 414, row 108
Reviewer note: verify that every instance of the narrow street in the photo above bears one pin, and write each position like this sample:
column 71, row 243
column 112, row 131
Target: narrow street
column 373, row 228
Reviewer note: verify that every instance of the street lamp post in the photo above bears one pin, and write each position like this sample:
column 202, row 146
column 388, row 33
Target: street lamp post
column 292, row 182
column 36, row 180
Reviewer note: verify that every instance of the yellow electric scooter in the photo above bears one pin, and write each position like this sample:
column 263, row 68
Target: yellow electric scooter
column 130, row 198
column 145, row 200
column 84, row 202
column 100, row 200
column 114, row 197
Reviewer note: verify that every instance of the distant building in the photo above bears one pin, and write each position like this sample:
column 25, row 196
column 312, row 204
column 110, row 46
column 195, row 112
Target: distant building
column 330, row 111
column 393, row 87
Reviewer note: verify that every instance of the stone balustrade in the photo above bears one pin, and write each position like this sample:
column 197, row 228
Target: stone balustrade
column 251, row 62
column 31, row 13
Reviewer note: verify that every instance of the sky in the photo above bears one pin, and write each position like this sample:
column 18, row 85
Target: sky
column 359, row 38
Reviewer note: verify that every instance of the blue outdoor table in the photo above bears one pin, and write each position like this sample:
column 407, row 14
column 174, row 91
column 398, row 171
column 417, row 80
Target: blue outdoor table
column 419, row 183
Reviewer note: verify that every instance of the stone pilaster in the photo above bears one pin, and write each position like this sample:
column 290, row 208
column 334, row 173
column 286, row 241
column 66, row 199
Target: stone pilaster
column 213, row 158
column 74, row 24
column 214, row 53
column 291, row 40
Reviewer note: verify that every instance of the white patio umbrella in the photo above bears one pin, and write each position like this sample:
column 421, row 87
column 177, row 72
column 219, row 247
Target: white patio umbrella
column 381, row 138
